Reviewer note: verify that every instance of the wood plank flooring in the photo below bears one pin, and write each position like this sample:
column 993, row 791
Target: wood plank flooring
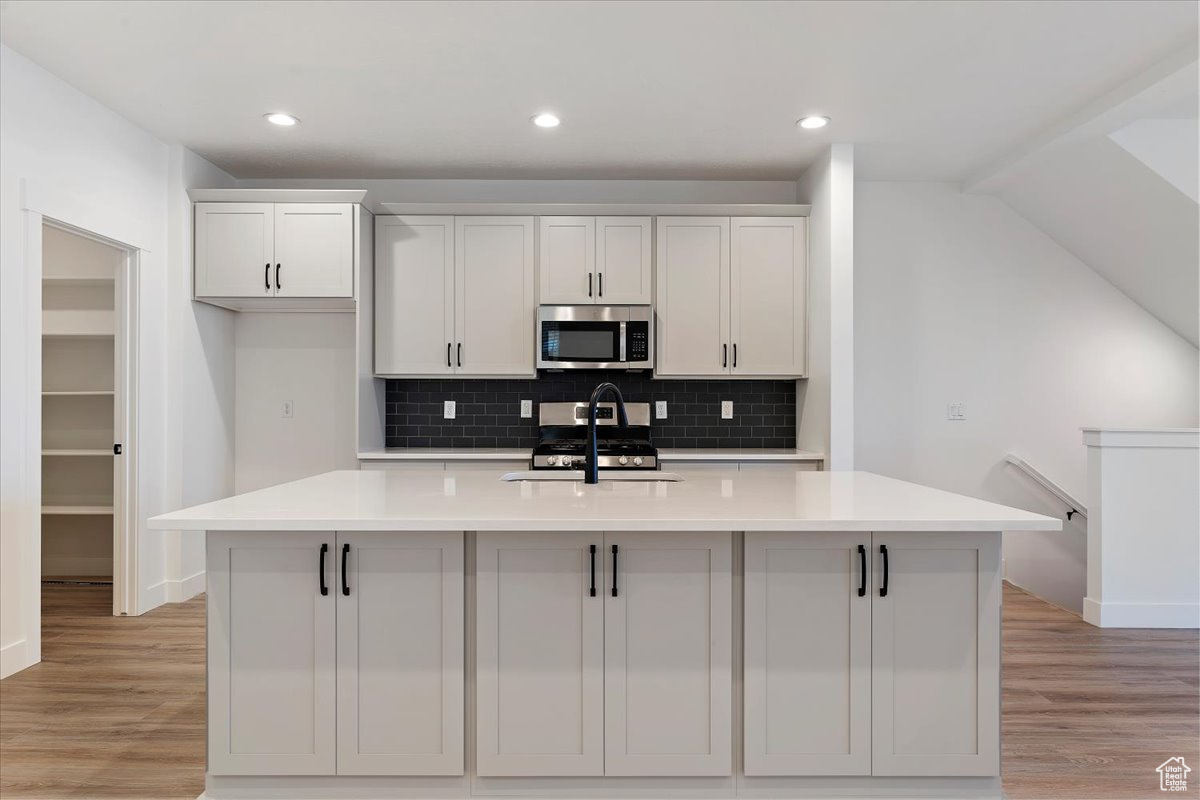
column 116, row 709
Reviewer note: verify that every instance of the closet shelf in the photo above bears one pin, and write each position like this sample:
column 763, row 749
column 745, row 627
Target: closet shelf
column 72, row 280
column 77, row 451
column 69, row 510
column 78, row 393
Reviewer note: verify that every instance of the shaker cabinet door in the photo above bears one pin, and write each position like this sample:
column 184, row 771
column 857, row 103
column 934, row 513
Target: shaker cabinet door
column 235, row 249
column 623, row 257
column 935, row 653
column 314, row 250
column 400, row 653
column 496, row 299
column 768, row 285
column 567, row 260
column 808, row 654
column 668, row 654
column 693, row 296
column 539, row 654
column 414, row 295
column 271, row 650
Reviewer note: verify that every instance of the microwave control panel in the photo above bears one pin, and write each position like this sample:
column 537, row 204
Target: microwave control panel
column 637, row 341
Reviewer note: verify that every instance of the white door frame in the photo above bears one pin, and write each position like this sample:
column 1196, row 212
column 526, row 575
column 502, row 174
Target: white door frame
column 125, row 352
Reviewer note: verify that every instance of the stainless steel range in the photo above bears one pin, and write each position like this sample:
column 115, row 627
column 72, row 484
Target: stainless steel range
column 562, row 437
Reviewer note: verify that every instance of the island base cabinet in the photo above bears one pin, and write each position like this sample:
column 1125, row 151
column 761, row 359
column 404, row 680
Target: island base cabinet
column 271, row 653
column 807, row 646
column 935, row 654
column 335, row 654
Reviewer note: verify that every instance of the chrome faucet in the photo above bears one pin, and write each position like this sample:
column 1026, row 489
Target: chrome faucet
column 591, row 469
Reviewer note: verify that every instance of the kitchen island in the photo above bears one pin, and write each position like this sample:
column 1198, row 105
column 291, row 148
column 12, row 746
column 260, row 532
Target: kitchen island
column 396, row 634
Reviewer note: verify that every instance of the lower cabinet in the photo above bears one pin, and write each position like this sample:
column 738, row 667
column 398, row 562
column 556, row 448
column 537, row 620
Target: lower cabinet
column 335, row 653
column 604, row 654
column 872, row 654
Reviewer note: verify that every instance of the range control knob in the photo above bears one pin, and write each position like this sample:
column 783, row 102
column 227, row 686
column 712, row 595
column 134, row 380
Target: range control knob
column 637, row 461
column 623, row 460
column 566, row 461
column 551, row 460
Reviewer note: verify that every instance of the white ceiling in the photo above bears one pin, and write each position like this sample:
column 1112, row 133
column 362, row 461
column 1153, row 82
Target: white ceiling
column 925, row 90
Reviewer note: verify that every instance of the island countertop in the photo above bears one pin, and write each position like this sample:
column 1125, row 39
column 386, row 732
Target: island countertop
column 352, row 500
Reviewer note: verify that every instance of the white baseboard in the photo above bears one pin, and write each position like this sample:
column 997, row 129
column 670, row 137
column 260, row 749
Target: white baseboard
column 152, row 597
column 1141, row 615
column 189, row 587
column 14, row 657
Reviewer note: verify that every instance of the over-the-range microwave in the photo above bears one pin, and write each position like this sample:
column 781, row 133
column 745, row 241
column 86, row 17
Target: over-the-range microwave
column 595, row 337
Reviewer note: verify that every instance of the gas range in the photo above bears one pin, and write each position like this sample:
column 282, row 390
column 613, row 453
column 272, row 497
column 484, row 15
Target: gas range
column 562, row 437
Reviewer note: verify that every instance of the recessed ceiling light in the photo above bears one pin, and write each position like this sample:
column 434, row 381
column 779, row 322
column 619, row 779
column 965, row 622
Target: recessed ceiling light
column 279, row 118
column 813, row 122
column 546, row 120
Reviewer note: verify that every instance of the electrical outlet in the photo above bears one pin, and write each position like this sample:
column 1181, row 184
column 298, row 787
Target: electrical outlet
column 287, row 409
column 526, row 409
column 660, row 409
column 448, row 409
column 726, row 409
column 956, row 411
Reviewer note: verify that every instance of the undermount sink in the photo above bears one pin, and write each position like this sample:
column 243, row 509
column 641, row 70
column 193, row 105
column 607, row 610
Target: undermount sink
column 605, row 475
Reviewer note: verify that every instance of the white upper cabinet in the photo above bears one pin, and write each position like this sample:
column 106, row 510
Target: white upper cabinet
column 414, row 295
column 935, row 654
column 539, row 654
column 693, row 296
column 400, row 653
column 668, row 654
column 768, row 287
column 454, row 295
column 595, row 260
column 255, row 251
column 314, row 250
column 808, row 654
column 235, row 249
column 495, row 296
column 567, row 260
column 731, row 296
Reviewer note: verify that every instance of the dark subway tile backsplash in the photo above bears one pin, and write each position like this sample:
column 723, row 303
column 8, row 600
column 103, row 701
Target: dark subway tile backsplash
column 488, row 411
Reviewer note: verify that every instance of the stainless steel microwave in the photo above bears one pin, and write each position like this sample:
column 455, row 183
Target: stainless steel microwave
column 595, row 337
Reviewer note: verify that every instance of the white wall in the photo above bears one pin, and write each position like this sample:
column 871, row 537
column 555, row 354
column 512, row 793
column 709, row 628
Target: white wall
column 958, row 299
column 309, row 360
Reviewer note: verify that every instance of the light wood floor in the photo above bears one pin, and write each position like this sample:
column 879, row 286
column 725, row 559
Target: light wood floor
column 116, row 708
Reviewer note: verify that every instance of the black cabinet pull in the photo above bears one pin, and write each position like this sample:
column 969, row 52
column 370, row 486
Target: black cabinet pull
column 278, row 286
column 600, row 278
column 724, row 356
column 345, row 554
column 614, row 552
column 862, row 571
column 589, row 284
column 448, row 364
column 460, row 354
column 321, row 568
column 883, row 588
column 267, row 277
column 592, row 550
column 735, row 355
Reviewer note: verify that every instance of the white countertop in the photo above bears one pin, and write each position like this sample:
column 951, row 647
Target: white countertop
column 476, row 501
column 665, row 454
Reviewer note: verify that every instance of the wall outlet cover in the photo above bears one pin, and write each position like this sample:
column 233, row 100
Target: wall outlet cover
column 660, row 409
column 526, row 409
column 448, row 410
column 726, row 409
column 287, row 409
column 956, row 411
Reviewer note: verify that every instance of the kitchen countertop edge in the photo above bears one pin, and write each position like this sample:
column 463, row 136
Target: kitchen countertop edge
column 666, row 454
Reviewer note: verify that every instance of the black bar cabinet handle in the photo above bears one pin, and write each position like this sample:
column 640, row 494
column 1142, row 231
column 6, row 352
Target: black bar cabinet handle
column 267, row 277
column 614, row 552
column 600, row 279
column 460, row 354
column 592, row 550
column 862, row 570
column 735, row 355
column 724, row 356
column 448, row 364
column 883, row 588
column 589, row 284
column 277, row 286
column 345, row 554
column 321, row 568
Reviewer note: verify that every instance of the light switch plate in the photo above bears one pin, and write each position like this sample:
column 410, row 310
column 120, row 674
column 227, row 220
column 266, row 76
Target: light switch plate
column 448, row 409
column 287, row 409
column 526, row 409
column 956, row 411
column 660, row 409
column 726, row 409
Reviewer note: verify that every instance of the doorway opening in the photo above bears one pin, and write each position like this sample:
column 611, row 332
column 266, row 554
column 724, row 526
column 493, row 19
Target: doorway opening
column 86, row 415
